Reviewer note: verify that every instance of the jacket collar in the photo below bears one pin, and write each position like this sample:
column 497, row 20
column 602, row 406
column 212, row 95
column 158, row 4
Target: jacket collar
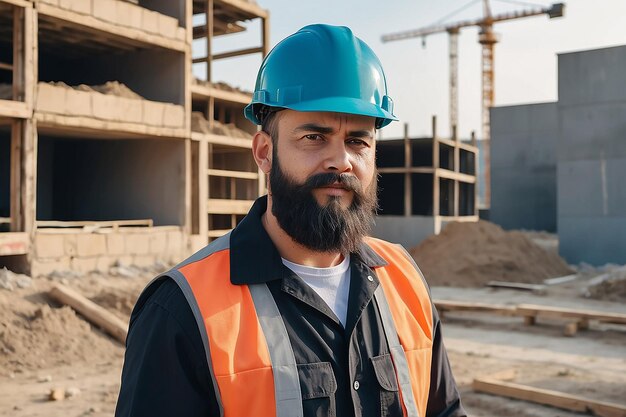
column 254, row 259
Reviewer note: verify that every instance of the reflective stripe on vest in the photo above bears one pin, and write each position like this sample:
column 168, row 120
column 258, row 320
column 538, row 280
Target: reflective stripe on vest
column 250, row 358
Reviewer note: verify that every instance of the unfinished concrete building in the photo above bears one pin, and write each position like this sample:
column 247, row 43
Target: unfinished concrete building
column 100, row 161
column 564, row 163
column 424, row 183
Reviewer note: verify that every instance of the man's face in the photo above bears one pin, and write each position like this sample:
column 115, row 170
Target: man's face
column 323, row 178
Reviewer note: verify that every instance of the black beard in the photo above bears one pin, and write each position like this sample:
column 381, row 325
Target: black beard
column 328, row 228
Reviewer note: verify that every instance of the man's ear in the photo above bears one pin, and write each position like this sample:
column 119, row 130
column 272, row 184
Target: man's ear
column 262, row 147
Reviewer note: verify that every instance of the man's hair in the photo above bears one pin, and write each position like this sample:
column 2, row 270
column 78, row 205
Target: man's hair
column 269, row 122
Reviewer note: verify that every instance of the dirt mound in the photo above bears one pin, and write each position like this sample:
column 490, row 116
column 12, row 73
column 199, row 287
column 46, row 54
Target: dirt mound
column 118, row 302
column 50, row 337
column 200, row 124
column 472, row 254
column 610, row 286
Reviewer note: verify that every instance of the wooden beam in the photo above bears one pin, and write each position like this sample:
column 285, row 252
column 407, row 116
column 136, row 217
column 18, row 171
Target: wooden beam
column 223, row 140
column 219, row 28
column 11, row 243
column 28, row 177
column 91, row 311
column 517, row 286
column 233, row 174
column 456, row 176
column 403, row 170
column 559, row 312
column 210, row 21
column 84, row 124
column 19, row 3
column 408, row 189
column 222, row 206
column 14, row 109
column 205, row 91
column 96, row 26
column 7, row 67
column 100, row 224
column 548, row 397
column 265, row 35
column 229, row 54
column 452, row 305
column 16, row 176
column 18, row 53
column 243, row 6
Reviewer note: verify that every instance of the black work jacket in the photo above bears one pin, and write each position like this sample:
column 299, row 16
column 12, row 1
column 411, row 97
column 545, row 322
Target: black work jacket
column 166, row 372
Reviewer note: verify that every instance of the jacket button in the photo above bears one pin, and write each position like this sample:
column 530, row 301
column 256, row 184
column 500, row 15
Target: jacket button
column 370, row 279
column 356, row 385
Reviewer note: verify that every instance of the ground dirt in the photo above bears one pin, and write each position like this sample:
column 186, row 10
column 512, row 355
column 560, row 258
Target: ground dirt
column 44, row 346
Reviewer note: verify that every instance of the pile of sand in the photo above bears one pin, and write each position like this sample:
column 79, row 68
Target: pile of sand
column 200, row 124
column 114, row 88
column 472, row 254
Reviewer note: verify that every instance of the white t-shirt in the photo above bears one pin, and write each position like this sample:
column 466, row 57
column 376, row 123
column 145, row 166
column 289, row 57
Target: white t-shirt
column 331, row 284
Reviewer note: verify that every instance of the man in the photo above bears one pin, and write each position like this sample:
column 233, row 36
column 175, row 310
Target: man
column 297, row 312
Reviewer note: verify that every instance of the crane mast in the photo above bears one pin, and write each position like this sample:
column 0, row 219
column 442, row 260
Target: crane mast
column 487, row 38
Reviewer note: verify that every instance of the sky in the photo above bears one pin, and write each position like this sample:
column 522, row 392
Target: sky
column 417, row 74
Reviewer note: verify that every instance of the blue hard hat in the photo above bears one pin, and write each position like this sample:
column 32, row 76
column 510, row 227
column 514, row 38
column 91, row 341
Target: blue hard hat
column 322, row 68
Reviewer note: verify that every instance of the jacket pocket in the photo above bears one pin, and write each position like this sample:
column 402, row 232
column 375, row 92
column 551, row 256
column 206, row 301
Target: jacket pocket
column 318, row 386
column 389, row 393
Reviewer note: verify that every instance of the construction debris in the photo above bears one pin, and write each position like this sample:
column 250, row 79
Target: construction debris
column 610, row 286
column 221, row 86
column 56, row 394
column 472, row 254
column 10, row 280
column 114, row 88
column 200, row 124
column 91, row 311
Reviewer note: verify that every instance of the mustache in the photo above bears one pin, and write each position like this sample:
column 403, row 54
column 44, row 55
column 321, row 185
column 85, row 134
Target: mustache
column 347, row 181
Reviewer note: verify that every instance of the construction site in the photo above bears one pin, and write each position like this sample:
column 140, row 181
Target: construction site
column 122, row 154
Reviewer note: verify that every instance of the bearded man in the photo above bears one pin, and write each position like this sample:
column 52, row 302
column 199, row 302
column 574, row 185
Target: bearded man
column 297, row 311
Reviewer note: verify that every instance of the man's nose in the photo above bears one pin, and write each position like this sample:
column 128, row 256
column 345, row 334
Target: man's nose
column 338, row 158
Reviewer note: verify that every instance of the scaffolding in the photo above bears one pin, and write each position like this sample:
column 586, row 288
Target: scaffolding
column 104, row 158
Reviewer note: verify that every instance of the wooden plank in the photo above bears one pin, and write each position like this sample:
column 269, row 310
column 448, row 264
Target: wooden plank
column 19, row 3
column 91, row 311
column 251, row 9
column 83, row 223
column 83, row 124
column 453, row 305
column 14, row 109
column 5, row 220
column 459, row 144
column 233, row 174
column 28, row 185
column 14, row 243
column 18, row 53
column 560, row 312
column 205, row 91
column 223, row 206
column 457, row 176
column 4, row 66
column 96, row 26
column 516, row 286
column 403, row 170
column 265, row 35
column 549, row 397
column 16, row 176
column 222, row 140
column 466, row 219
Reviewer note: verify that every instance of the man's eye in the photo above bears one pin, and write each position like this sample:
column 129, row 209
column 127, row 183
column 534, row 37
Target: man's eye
column 313, row 136
column 357, row 142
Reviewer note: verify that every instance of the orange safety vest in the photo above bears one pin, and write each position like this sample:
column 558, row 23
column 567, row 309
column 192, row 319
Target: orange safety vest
column 237, row 346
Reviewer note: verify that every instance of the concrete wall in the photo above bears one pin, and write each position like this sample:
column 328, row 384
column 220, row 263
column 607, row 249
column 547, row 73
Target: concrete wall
column 523, row 166
column 111, row 180
column 408, row 231
column 592, row 156
column 83, row 252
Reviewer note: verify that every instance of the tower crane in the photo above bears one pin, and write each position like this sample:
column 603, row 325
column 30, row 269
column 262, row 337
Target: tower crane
column 487, row 38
